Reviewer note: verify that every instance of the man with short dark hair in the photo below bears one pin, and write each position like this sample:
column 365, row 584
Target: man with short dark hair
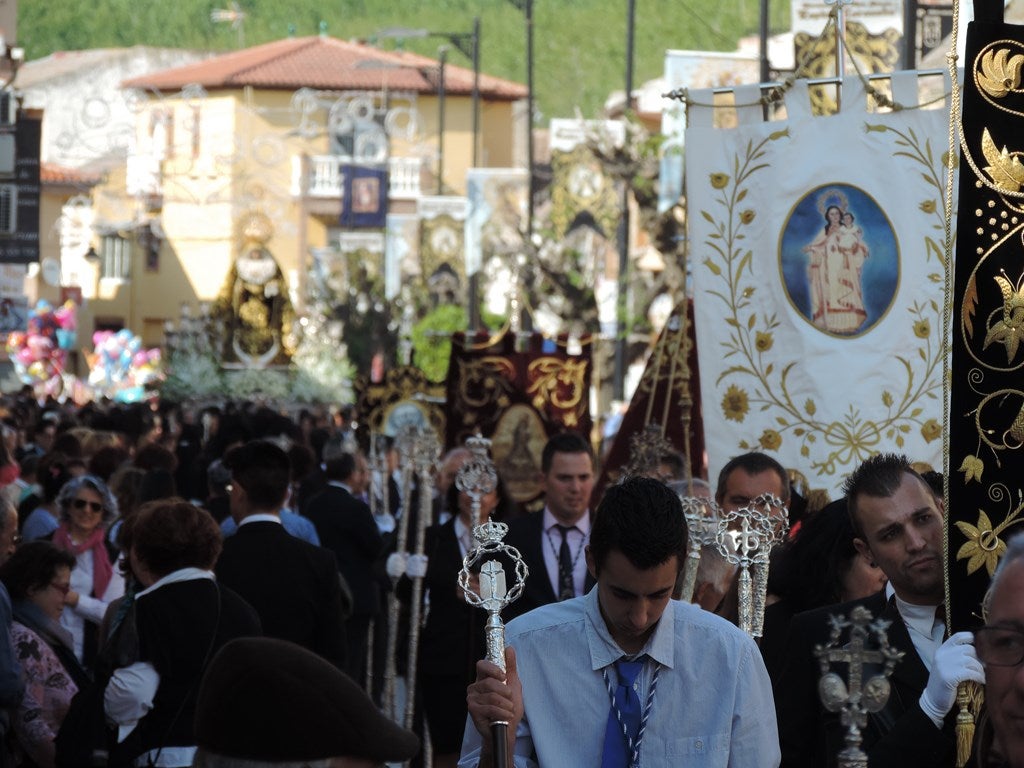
column 625, row 673
column 747, row 476
column 346, row 526
column 898, row 522
column 553, row 540
column 293, row 585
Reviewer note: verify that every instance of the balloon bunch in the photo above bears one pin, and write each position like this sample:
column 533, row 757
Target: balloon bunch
column 120, row 367
column 38, row 353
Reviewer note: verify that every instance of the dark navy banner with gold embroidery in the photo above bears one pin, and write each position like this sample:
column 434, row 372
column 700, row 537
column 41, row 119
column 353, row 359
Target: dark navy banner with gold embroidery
column 517, row 399
column 365, row 202
column 986, row 473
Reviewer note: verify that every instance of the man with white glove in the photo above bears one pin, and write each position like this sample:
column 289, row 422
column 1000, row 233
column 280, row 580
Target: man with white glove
column 897, row 521
column 395, row 565
column 401, row 564
column 955, row 662
column 416, row 566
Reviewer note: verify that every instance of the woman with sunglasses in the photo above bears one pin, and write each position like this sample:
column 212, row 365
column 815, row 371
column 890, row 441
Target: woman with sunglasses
column 86, row 508
column 38, row 578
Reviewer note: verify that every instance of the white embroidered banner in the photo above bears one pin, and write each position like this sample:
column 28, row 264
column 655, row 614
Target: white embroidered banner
column 816, row 246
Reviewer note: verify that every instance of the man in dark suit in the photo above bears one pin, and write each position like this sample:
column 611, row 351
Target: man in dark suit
column 553, row 540
column 293, row 585
column 346, row 526
column 897, row 521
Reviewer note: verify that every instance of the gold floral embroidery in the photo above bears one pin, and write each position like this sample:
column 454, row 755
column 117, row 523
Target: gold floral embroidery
column 972, row 467
column 1004, row 167
column 832, row 445
column 1000, row 72
column 931, row 430
column 984, row 545
column 735, row 404
column 1010, row 329
column 763, row 341
column 770, row 440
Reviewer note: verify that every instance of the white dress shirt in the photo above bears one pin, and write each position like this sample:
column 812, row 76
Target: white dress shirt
column 551, row 542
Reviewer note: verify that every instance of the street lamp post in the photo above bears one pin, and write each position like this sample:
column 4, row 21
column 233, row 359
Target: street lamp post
column 526, row 6
column 442, row 59
column 469, row 46
column 621, row 305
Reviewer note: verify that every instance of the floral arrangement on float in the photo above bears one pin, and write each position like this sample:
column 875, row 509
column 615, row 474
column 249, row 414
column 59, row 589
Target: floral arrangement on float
column 120, row 368
column 39, row 353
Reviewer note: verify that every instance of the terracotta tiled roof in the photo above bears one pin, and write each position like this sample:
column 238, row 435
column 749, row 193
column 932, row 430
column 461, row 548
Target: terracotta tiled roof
column 58, row 174
column 329, row 64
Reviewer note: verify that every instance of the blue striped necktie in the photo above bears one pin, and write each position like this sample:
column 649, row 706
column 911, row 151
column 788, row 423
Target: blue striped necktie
column 624, row 717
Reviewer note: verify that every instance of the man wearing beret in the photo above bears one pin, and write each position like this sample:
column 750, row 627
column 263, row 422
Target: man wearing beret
column 267, row 702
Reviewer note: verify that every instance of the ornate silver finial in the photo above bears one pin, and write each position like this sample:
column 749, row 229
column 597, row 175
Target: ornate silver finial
column 646, row 449
column 702, row 516
column 745, row 538
column 477, row 476
column 855, row 697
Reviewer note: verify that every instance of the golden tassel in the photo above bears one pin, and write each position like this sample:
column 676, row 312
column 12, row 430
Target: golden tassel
column 969, row 697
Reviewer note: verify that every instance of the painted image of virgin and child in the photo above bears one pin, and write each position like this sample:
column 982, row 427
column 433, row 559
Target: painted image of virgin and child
column 836, row 258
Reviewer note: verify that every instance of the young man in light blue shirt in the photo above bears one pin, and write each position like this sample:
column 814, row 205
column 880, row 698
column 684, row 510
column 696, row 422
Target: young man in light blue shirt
column 625, row 675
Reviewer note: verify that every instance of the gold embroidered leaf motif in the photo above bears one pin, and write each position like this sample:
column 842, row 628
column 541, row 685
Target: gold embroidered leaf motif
column 1010, row 329
column 1000, row 73
column 983, row 545
column 970, row 304
column 972, row 467
column 1004, row 169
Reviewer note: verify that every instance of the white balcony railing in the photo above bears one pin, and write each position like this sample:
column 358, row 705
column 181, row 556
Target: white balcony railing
column 323, row 177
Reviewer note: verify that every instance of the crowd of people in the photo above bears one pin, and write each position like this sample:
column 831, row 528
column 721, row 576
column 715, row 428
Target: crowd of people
column 226, row 587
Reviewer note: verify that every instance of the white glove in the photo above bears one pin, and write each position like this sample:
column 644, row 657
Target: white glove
column 395, row 566
column 955, row 662
column 385, row 522
column 416, row 566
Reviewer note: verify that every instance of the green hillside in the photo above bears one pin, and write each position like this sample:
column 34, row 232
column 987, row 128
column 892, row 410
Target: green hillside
column 579, row 44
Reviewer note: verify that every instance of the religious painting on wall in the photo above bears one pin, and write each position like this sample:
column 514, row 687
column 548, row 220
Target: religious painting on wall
column 818, row 280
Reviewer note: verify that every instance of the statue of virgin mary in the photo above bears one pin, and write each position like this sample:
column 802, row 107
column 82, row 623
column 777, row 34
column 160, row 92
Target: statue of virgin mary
column 254, row 304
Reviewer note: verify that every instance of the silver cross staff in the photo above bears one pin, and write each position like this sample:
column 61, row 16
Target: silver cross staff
column 702, row 515
column 855, row 697
column 476, row 478
column 755, row 529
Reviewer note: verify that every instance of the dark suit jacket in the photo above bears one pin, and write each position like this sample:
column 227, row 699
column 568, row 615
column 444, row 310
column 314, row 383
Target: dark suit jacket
column 345, row 526
column 292, row 584
column 181, row 626
column 452, row 640
column 527, row 535
column 899, row 736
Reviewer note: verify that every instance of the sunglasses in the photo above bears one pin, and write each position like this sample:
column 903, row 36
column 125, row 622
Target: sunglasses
column 94, row 506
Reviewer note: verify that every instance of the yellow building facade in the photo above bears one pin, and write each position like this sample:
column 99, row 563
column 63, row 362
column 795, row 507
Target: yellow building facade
column 271, row 129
